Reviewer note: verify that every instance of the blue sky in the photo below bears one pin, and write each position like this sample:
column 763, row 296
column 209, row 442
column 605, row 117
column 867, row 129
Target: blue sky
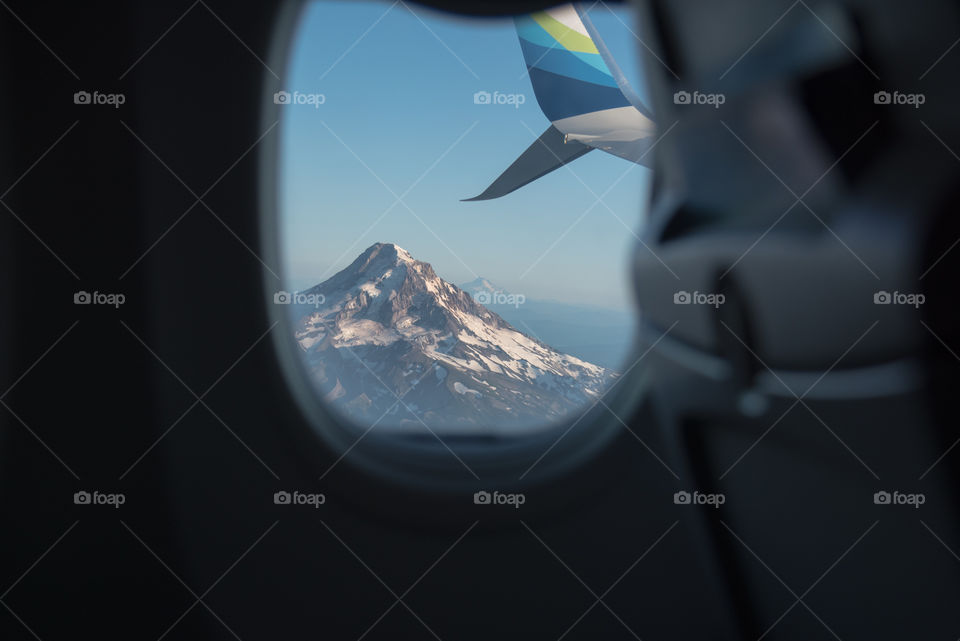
column 400, row 99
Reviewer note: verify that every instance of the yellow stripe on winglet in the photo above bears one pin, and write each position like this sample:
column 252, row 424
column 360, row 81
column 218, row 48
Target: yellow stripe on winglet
column 563, row 34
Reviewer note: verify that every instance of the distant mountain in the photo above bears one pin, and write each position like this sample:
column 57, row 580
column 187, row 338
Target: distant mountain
column 595, row 334
column 388, row 326
column 478, row 285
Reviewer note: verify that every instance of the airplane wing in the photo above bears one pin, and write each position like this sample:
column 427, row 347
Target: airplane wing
column 581, row 91
column 545, row 154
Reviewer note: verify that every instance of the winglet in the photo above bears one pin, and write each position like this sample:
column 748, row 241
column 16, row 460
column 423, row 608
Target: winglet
column 569, row 74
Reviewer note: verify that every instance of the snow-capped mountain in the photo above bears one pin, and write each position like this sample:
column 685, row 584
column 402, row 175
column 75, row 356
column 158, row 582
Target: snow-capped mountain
column 481, row 285
column 388, row 327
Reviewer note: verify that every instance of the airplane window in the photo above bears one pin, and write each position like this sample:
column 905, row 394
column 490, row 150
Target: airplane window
column 449, row 261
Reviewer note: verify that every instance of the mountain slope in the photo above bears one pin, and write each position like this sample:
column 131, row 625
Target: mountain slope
column 389, row 327
column 599, row 335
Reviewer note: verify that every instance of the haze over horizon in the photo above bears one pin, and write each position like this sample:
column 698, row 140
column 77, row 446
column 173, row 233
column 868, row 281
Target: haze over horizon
column 305, row 283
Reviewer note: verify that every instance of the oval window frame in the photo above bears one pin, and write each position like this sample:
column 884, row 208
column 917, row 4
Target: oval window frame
column 426, row 465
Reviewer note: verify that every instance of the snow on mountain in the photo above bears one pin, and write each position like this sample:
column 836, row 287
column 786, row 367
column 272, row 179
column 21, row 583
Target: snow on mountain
column 599, row 335
column 389, row 328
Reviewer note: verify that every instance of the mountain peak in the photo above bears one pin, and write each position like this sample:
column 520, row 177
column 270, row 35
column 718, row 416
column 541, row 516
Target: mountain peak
column 387, row 252
column 482, row 285
column 460, row 362
column 478, row 283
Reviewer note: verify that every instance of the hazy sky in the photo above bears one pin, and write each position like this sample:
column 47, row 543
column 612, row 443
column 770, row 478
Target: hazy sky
column 399, row 119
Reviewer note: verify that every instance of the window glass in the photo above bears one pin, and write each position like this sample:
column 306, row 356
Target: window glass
column 458, row 202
